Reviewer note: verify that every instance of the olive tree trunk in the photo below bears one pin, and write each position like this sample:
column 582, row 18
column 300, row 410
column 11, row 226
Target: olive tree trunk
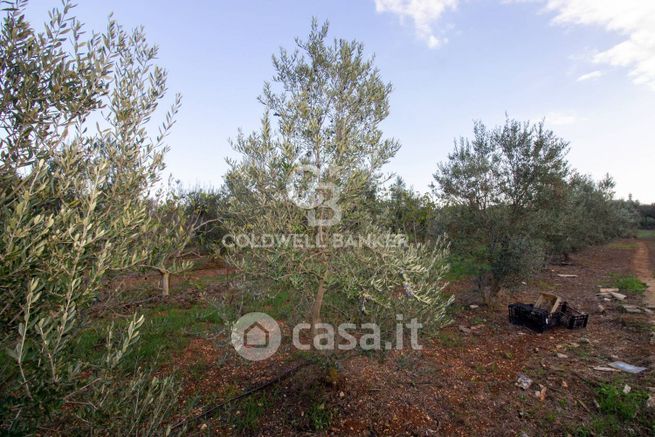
column 165, row 282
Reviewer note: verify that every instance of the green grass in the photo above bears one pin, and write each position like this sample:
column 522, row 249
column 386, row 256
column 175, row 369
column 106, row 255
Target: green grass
column 613, row 401
column 246, row 414
column 551, row 417
column 279, row 305
column 320, row 417
column 620, row 413
column 166, row 329
column 169, row 329
column 637, row 325
column 600, row 426
column 645, row 233
column 624, row 245
column 629, row 283
column 275, row 302
column 318, row 413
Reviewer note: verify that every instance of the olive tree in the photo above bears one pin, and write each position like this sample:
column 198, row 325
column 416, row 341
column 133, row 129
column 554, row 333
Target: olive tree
column 207, row 206
column 304, row 181
column 585, row 214
column 647, row 216
column 74, row 204
column 495, row 188
column 166, row 239
column 407, row 211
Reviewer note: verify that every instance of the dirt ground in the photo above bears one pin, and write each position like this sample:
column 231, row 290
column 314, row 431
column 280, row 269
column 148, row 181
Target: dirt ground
column 642, row 266
column 463, row 382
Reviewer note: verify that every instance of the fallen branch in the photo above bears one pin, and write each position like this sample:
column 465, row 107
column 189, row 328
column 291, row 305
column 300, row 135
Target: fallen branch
column 584, row 406
column 211, row 410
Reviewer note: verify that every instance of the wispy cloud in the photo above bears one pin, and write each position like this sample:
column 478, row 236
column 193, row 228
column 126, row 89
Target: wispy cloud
column 589, row 76
column 634, row 19
column 423, row 13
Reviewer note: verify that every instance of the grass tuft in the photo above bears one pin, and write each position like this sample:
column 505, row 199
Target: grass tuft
column 620, row 412
column 613, row 401
column 629, row 283
column 247, row 413
column 646, row 233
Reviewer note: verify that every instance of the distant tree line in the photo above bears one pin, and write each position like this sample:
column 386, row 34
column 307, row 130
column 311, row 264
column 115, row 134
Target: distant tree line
column 646, row 216
column 506, row 199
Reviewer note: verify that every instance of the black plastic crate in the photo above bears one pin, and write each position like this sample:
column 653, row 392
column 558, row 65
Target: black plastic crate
column 572, row 318
column 518, row 313
column 540, row 320
column 534, row 318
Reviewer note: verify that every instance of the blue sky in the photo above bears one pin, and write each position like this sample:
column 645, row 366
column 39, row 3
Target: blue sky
column 587, row 66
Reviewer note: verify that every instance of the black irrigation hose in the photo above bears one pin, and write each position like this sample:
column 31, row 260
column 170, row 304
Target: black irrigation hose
column 211, row 410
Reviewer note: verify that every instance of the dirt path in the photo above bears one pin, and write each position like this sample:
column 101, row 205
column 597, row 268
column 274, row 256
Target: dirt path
column 641, row 263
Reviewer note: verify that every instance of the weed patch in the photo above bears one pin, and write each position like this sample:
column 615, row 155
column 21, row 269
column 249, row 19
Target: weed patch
column 166, row 329
column 245, row 415
column 463, row 267
column 449, row 340
column 629, row 283
column 320, row 416
column 613, row 401
column 621, row 413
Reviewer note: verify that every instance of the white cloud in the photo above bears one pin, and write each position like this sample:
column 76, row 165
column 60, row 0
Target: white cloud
column 424, row 14
column 592, row 75
column 633, row 19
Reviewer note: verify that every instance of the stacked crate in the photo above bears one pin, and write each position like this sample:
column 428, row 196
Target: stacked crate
column 547, row 312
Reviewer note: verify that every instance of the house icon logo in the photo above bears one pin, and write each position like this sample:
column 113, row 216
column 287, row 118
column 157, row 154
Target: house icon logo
column 256, row 336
